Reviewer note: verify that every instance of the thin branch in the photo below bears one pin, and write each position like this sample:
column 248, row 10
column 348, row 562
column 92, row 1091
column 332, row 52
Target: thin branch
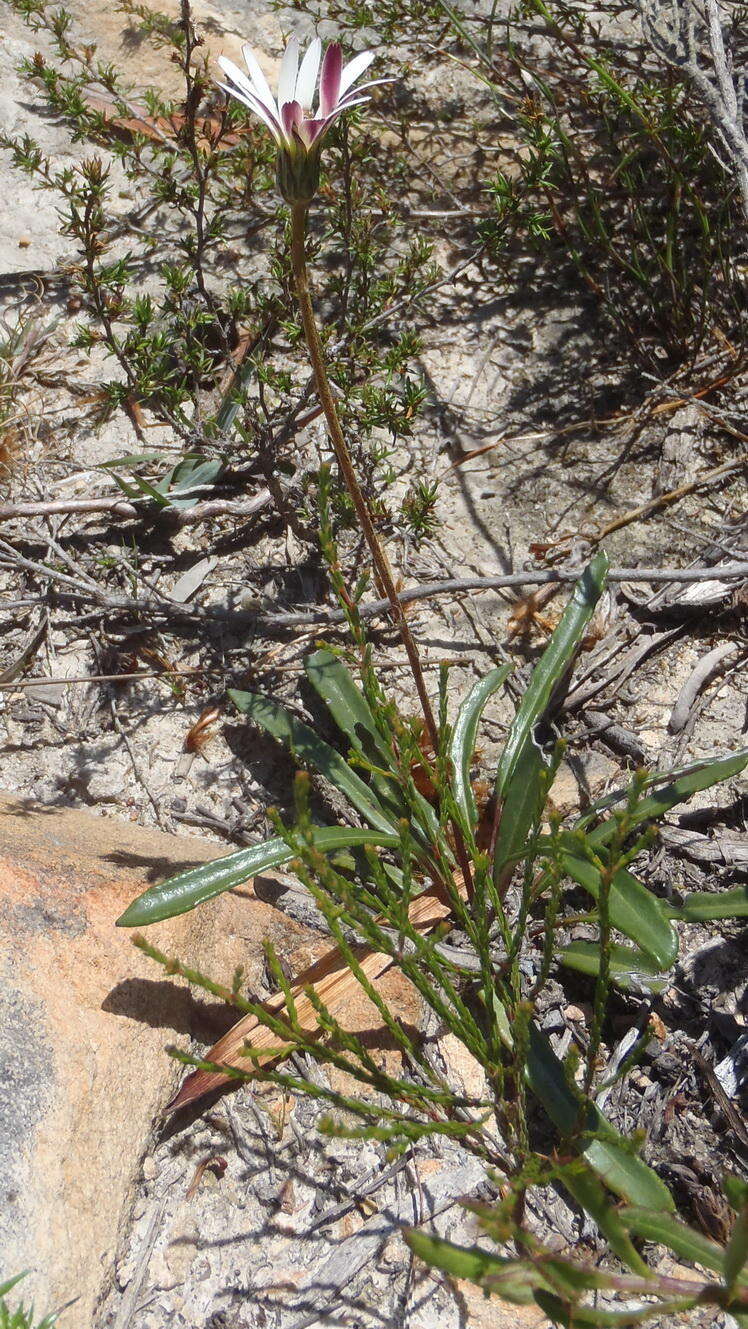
column 118, row 507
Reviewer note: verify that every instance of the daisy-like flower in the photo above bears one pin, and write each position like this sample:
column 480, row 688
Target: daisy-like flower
column 296, row 126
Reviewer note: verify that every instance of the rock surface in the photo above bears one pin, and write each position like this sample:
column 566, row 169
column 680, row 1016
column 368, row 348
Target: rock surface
column 84, row 1018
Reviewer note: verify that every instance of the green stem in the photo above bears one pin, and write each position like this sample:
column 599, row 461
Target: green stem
column 345, row 462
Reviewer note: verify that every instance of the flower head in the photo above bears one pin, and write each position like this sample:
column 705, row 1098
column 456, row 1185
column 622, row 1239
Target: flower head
column 296, row 125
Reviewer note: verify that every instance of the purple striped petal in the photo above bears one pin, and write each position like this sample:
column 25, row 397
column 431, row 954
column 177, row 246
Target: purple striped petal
column 291, row 117
column 329, row 79
column 311, row 130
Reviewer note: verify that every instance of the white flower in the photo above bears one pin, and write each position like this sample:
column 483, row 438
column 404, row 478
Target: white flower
column 296, row 125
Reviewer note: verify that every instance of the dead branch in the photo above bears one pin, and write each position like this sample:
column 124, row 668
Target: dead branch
column 689, row 35
column 118, row 507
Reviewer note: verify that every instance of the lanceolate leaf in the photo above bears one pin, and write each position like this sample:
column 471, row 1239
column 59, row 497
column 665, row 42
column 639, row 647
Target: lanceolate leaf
column 736, row 1255
column 634, row 910
column 181, row 893
column 347, row 706
column 352, row 714
column 521, row 809
column 552, row 667
column 653, row 1225
column 630, row 968
column 514, row 1280
column 313, row 751
column 589, row 1192
column 464, row 734
column 705, row 905
column 623, row 1172
column 675, row 788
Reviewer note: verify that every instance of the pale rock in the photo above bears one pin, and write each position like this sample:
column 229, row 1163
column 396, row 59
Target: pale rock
column 84, row 1020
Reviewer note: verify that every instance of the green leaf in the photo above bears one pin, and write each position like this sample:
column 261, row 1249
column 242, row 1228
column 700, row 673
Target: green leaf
column 584, row 1186
column 348, row 706
column 630, row 968
column 572, row 1316
column 514, row 1280
column 680, row 786
column 149, row 490
column 11, row 1283
column 313, row 751
column 187, row 890
column 736, row 1190
column 188, row 475
column 666, row 1230
column 462, row 746
column 352, row 714
column 634, row 910
column 552, row 667
column 522, row 806
column 621, row 1170
column 704, row 905
column 736, row 1255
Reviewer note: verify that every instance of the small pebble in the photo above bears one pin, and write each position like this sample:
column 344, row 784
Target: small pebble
column 23, row 242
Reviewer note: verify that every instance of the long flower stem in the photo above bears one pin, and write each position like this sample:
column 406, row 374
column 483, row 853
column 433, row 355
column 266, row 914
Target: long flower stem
column 345, row 462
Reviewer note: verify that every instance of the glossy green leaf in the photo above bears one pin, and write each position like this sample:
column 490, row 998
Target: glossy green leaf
column 462, row 746
column 666, row 1230
column 552, row 667
column 347, row 706
column 514, row 1280
column 736, row 1190
column 677, row 787
column 181, row 893
column 634, row 910
column 704, row 905
column 149, row 490
column 522, row 806
column 630, row 968
column 309, row 748
column 11, row 1283
column 621, row 1170
column 352, row 714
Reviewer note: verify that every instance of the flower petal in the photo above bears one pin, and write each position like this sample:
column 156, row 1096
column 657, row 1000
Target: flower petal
column 238, row 77
column 307, row 78
column 261, row 85
column 329, row 79
column 356, row 92
column 291, row 117
column 253, row 102
column 354, row 69
column 311, row 130
column 288, row 71
column 350, row 101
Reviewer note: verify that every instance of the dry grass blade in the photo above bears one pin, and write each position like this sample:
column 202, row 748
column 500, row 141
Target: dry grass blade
column 333, row 982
